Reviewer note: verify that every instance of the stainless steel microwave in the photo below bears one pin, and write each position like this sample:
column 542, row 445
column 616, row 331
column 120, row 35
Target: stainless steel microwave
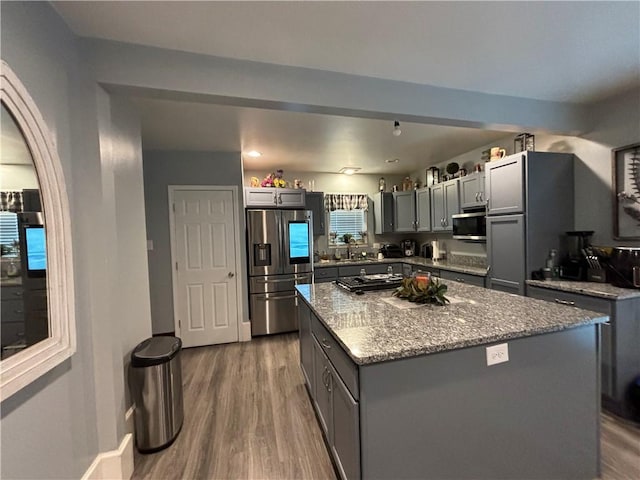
column 470, row 226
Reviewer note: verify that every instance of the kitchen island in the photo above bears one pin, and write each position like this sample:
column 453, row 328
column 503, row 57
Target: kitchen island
column 405, row 391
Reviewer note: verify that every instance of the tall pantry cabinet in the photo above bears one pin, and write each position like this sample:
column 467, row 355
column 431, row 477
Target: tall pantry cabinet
column 529, row 207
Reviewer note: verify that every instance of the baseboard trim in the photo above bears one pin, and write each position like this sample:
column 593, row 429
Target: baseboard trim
column 128, row 420
column 116, row 464
column 245, row 331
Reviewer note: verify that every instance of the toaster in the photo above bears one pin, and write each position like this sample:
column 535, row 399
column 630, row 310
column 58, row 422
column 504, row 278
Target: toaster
column 391, row 250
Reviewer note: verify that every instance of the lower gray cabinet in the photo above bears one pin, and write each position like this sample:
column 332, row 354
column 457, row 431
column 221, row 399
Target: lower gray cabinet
column 476, row 280
column 506, row 253
column 325, row 274
column 337, row 410
column 619, row 340
column 322, row 388
column 346, row 428
column 306, row 344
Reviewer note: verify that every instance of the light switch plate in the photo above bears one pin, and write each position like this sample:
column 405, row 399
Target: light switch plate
column 497, row 354
column 149, row 245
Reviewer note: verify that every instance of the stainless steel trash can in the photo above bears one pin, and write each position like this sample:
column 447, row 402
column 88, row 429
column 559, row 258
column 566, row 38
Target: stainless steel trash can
column 156, row 386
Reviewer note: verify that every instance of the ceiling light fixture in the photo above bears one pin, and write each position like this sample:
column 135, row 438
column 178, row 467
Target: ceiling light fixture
column 254, row 154
column 349, row 170
column 392, row 160
column 396, row 129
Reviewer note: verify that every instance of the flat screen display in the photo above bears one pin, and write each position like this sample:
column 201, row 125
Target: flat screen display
column 299, row 242
column 36, row 249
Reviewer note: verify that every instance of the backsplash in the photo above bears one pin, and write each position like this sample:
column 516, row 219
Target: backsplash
column 467, row 260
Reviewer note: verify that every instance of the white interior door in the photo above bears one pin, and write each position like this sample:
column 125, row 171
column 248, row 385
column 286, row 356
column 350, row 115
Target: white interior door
column 205, row 276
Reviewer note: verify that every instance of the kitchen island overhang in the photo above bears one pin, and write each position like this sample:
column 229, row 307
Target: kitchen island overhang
column 427, row 403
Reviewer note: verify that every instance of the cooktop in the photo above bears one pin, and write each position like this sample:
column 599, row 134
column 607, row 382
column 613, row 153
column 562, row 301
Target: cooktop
column 380, row 281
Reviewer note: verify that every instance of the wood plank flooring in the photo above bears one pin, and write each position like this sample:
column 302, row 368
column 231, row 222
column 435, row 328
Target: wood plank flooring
column 248, row 416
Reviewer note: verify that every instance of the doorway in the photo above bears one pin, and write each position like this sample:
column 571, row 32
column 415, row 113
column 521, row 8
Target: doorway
column 205, row 256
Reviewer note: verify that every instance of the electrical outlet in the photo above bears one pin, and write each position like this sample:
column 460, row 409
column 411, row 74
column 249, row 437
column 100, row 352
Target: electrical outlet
column 497, row 354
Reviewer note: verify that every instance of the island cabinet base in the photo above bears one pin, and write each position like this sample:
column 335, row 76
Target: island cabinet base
column 448, row 415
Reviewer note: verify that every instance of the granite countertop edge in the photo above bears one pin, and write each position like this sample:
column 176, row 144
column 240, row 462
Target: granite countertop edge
column 419, row 261
column 592, row 289
column 415, row 352
column 397, row 353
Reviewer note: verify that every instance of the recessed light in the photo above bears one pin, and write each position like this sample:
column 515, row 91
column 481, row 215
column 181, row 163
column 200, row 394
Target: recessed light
column 349, row 170
column 392, row 160
column 254, row 154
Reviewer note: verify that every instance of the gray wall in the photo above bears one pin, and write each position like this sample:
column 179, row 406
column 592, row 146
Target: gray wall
column 55, row 427
column 162, row 169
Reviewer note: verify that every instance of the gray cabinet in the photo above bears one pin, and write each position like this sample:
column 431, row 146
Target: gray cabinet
column 325, row 274
column 538, row 187
column 619, row 340
column 369, row 268
column 505, row 253
column 472, row 190
column 322, row 388
column 445, row 202
column 315, row 203
column 404, row 211
column 383, row 212
column 336, row 377
column 306, row 344
column 505, row 185
column 345, row 426
column 476, row 280
column 423, row 210
column 274, row 197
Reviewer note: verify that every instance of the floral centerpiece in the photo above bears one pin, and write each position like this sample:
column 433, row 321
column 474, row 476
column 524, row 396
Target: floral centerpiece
column 274, row 180
column 422, row 289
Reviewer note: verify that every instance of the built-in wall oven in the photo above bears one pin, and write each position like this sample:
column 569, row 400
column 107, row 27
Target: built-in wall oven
column 280, row 244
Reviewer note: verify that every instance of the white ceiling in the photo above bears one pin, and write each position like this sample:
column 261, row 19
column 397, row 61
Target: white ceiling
column 576, row 52
column 303, row 141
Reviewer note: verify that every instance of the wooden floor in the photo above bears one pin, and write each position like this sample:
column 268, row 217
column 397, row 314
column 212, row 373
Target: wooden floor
column 248, row 416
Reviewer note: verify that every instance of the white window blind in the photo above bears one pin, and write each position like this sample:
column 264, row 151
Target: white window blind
column 347, row 221
column 8, row 228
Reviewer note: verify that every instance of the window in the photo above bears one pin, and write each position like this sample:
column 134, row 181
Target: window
column 8, row 229
column 353, row 222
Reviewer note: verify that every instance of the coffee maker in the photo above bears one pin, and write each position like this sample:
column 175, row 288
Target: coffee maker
column 574, row 265
column 408, row 247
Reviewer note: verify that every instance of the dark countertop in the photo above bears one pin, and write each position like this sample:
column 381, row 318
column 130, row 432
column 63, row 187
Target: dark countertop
column 593, row 289
column 426, row 262
column 373, row 330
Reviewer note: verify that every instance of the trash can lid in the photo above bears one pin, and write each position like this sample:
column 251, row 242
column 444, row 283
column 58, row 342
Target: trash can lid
column 155, row 350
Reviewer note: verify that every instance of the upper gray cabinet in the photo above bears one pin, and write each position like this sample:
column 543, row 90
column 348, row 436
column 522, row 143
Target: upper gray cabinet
column 504, row 184
column 383, row 212
column 445, row 202
column 423, row 210
column 404, row 209
column 315, row 203
column 274, row 197
column 472, row 190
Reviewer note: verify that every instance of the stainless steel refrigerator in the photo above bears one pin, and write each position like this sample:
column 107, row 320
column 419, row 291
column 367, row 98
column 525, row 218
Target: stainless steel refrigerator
column 280, row 244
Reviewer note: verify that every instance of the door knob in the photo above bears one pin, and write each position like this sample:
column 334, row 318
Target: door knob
column 230, row 274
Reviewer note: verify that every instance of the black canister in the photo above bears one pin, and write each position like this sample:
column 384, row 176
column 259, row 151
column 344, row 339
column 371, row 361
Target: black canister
column 624, row 267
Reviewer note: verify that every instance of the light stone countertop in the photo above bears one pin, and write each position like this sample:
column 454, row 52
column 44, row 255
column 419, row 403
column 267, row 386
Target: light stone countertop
column 372, row 330
column 593, row 289
column 420, row 261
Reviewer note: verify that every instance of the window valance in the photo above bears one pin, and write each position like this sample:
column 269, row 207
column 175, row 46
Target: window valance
column 346, row 201
column 11, row 202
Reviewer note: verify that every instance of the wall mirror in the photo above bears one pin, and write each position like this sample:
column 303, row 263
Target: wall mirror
column 36, row 274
